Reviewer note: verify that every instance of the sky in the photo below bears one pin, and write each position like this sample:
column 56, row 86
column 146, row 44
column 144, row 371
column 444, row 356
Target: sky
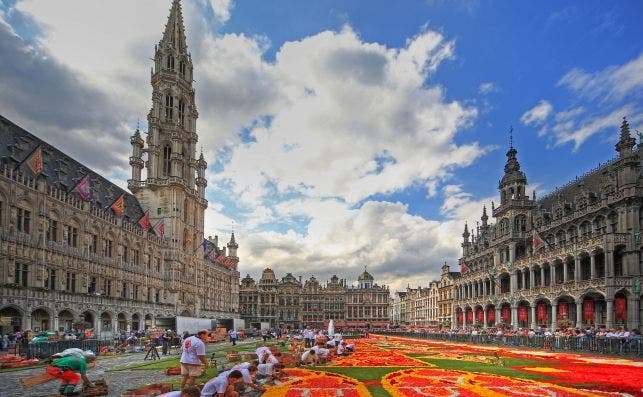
column 339, row 134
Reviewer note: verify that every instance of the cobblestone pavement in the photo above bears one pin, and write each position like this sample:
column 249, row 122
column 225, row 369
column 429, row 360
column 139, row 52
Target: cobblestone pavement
column 117, row 381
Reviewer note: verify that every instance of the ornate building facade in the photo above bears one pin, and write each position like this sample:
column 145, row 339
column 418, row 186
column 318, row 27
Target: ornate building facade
column 79, row 252
column 571, row 258
column 290, row 303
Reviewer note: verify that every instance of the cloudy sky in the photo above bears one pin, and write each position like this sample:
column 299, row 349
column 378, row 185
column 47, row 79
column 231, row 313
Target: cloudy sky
column 339, row 134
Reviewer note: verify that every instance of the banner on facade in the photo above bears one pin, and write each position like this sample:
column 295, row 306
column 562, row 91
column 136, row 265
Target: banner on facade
column 144, row 222
column 480, row 315
column 84, row 188
column 588, row 310
column 119, row 206
column 620, row 309
column 541, row 313
column 505, row 313
column 463, row 266
column 159, row 228
column 522, row 314
column 459, row 317
column 563, row 311
column 469, row 316
column 537, row 242
column 491, row 316
column 34, row 162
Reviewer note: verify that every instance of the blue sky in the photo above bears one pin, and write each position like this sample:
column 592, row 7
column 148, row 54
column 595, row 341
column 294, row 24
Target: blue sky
column 340, row 134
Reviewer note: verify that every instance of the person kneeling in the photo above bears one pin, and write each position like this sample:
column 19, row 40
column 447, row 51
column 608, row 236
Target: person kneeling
column 65, row 369
column 309, row 357
column 223, row 385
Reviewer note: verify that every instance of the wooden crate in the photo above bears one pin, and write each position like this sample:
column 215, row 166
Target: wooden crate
column 173, row 371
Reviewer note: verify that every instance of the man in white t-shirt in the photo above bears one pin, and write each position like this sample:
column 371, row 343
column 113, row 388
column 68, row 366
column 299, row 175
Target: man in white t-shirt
column 222, row 385
column 309, row 357
column 192, row 357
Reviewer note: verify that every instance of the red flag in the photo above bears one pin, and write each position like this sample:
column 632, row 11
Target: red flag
column 505, row 314
column 541, row 313
column 537, row 242
column 212, row 255
column 144, row 222
column 459, row 317
column 159, row 228
column 522, row 314
column 84, row 188
column 35, row 161
column 119, row 206
column 620, row 308
column 480, row 316
column 491, row 317
column 563, row 311
column 588, row 310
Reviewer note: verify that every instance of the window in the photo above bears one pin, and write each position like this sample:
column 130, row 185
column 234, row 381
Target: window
column 158, row 264
column 167, row 154
column 50, row 280
column 52, row 230
column 181, row 111
column 21, row 274
column 107, row 287
column 157, row 297
column 23, row 220
column 158, row 211
column 169, row 63
column 125, row 254
column 92, row 286
column 124, row 291
column 72, row 236
column 107, row 249
column 136, row 257
column 182, row 68
column 135, row 292
column 70, row 285
column 169, row 107
column 93, row 243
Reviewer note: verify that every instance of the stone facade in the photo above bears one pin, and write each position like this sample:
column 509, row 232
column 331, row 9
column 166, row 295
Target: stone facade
column 426, row 306
column 291, row 303
column 589, row 271
column 70, row 261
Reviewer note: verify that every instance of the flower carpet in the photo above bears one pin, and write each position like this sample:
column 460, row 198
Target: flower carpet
column 404, row 367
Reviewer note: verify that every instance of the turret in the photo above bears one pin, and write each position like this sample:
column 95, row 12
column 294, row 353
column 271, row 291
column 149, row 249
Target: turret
column 201, row 181
column 465, row 240
column 232, row 247
column 136, row 161
column 626, row 142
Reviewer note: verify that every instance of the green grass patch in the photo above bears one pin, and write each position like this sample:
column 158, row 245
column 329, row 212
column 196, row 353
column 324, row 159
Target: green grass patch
column 469, row 366
column 378, row 391
column 361, row 373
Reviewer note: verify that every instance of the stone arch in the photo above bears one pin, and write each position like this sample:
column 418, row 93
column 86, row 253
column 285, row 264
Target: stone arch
column 41, row 319
column 11, row 318
column 148, row 321
column 106, row 319
column 544, row 313
column 65, row 320
column 136, row 322
column 593, row 308
column 565, row 311
column 121, row 322
column 524, row 313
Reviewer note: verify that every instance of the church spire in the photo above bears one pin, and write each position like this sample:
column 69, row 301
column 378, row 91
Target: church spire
column 174, row 35
column 626, row 142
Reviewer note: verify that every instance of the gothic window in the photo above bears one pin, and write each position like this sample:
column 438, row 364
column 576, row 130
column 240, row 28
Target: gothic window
column 558, row 213
column 182, row 68
column 92, row 286
column 169, row 107
column 70, row 285
column 572, row 233
column 170, row 62
column 50, row 281
column 93, row 243
column 520, row 223
column 108, row 248
column 181, row 112
column 618, row 261
column 585, row 229
column 21, row 274
column 72, row 236
column 600, row 225
column 124, row 291
column 52, row 230
column 167, row 154
column 23, row 220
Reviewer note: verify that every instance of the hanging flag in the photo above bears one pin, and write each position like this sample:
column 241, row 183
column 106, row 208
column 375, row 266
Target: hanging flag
column 459, row 317
column 119, row 206
column 505, row 314
column 204, row 245
column 463, row 266
column 620, row 309
column 522, row 314
column 84, row 188
column 159, row 228
column 537, row 242
column 212, row 255
column 588, row 311
column 144, row 222
column 563, row 311
column 491, row 316
column 35, row 161
column 541, row 313
column 480, row 316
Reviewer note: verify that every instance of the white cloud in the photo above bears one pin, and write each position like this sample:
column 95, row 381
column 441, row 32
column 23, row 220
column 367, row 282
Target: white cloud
column 334, row 120
column 538, row 114
column 487, row 87
column 612, row 83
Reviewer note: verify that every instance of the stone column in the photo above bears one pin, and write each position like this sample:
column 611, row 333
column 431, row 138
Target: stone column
column 577, row 268
column 464, row 318
column 633, row 313
column 498, row 319
column 26, row 321
column 579, row 314
column 484, row 311
column 609, row 313
column 564, row 272
column 523, row 279
column 554, row 314
column 514, row 315
column 532, row 277
column 552, row 274
column 55, row 324
column 592, row 265
column 532, row 306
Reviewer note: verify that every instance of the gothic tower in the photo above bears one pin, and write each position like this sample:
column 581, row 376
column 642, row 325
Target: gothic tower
column 174, row 186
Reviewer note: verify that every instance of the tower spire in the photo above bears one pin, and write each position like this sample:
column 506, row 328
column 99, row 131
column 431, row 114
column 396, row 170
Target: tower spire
column 626, row 142
column 174, row 34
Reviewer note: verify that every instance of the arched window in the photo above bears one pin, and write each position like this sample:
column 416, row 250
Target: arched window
column 167, row 154
column 181, row 111
column 170, row 62
column 182, row 68
column 169, row 107
column 520, row 223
